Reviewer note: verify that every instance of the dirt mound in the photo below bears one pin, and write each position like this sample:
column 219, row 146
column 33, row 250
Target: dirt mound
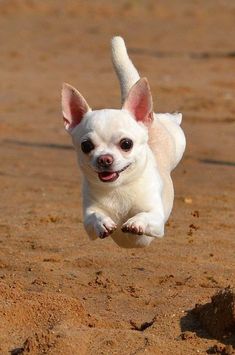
column 46, row 315
column 221, row 349
column 218, row 316
column 39, row 343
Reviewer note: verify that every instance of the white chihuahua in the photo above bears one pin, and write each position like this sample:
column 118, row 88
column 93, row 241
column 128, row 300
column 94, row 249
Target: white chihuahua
column 126, row 157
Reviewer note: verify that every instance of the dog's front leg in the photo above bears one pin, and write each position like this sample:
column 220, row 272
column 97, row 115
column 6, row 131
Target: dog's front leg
column 98, row 224
column 145, row 223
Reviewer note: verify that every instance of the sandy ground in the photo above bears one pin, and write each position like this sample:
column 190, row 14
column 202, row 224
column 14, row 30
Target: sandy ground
column 59, row 292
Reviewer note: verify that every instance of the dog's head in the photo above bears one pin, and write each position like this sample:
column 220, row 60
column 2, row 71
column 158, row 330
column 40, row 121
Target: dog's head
column 112, row 145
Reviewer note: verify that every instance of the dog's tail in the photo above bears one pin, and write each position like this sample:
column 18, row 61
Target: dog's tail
column 125, row 69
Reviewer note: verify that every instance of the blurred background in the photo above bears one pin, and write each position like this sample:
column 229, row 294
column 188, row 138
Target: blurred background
column 181, row 46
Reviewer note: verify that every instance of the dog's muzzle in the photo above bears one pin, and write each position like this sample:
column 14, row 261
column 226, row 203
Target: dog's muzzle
column 110, row 176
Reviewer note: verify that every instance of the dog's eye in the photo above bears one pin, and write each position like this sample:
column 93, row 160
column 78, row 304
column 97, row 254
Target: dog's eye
column 87, row 146
column 126, row 144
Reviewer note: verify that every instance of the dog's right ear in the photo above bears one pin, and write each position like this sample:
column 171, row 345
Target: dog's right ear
column 74, row 107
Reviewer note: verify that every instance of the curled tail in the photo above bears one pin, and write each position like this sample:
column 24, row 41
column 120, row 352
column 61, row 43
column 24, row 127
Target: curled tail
column 125, row 69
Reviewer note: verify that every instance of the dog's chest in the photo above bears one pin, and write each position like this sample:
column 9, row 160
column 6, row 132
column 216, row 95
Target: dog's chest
column 117, row 203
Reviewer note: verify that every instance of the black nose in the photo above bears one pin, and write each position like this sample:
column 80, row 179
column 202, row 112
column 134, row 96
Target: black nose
column 105, row 160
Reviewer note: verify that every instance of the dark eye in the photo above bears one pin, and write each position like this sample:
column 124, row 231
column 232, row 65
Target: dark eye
column 87, row 146
column 126, row 144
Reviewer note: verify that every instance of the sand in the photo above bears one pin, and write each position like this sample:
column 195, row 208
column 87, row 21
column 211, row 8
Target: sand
column 59, row 292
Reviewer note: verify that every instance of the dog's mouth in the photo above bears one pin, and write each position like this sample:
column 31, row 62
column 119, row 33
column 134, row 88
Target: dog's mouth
column 110, row 176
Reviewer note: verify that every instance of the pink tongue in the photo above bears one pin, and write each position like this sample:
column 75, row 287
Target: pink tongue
column 106, row 176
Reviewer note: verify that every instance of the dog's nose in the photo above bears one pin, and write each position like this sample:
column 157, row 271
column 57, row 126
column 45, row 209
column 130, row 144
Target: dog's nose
column 105, row 160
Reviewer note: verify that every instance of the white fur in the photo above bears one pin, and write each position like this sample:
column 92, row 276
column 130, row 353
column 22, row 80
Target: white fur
column 141, row 199
column 125, row 70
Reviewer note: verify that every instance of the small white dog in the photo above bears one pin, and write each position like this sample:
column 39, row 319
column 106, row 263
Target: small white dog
column 126, row 157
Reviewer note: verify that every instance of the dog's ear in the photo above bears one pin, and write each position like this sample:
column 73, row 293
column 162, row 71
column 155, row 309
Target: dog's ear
column 74, row 107
column 139, row 101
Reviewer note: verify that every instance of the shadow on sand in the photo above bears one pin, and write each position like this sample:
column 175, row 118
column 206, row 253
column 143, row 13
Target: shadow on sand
column 38, row 144
column 190, row 323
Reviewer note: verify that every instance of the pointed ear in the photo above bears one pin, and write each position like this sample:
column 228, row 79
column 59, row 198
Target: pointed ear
column 139, row 102
column 74, row 107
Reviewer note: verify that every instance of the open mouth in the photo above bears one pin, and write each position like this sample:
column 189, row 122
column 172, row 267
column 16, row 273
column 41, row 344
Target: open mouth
column 110, row 176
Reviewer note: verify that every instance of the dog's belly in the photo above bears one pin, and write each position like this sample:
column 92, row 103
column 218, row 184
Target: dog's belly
column 126, row 240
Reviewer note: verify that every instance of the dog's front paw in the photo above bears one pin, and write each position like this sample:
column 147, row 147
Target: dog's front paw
column 105, row 227
column 146, row 224
column 134, row 226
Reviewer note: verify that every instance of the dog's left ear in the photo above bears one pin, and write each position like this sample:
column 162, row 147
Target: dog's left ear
column 74, row 107
column 139, row 102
